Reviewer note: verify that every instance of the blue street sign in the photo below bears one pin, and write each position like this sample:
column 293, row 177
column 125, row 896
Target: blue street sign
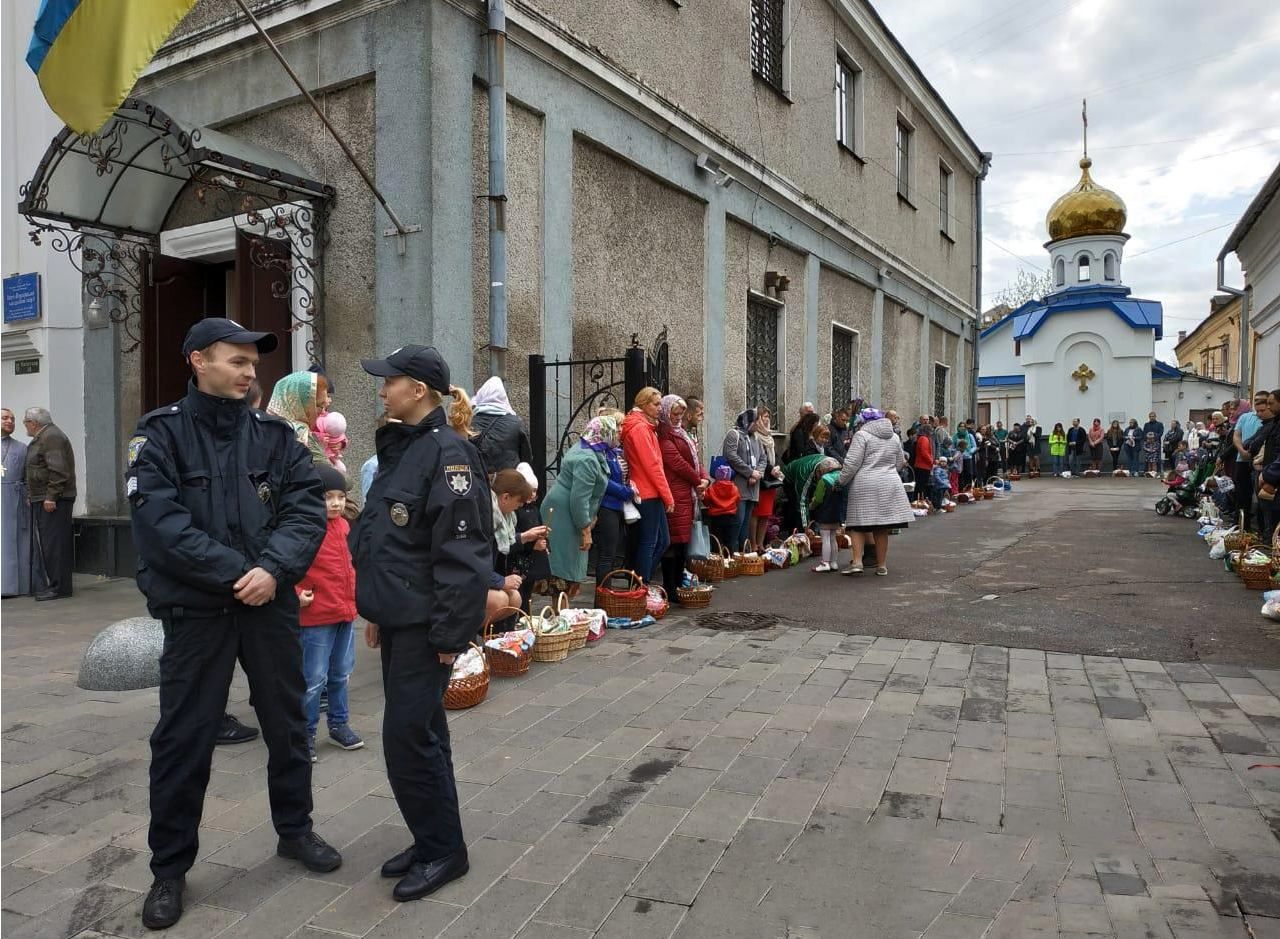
column 21, row 298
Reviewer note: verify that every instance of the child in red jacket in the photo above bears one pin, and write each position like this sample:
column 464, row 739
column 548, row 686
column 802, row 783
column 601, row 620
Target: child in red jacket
column 327, row 596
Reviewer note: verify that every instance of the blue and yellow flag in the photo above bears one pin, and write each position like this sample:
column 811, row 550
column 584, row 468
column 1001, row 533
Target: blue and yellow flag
column 88, row 54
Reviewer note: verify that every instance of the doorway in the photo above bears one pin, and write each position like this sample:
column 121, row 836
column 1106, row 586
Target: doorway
column 213, row 271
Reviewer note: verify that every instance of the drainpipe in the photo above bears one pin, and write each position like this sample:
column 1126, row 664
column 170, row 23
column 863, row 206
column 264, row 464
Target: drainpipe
column 985, row 157
column 497, row 43
column 1246, row 345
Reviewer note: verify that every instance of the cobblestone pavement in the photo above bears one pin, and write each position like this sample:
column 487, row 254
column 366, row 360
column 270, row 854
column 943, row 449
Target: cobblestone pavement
column 682, row 781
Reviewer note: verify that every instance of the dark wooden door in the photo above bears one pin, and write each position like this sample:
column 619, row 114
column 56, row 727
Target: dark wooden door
column 264, row 278
column 178, row 294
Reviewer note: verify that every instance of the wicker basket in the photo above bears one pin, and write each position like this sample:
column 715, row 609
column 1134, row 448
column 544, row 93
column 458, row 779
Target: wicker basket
column 500, row 663
column 1238, row 541
column 727, row 560
column 1014, row 475
column 467, row 692
column 694, row 598
column 708, row 570
column 578, row 631
column 622, row 604
column 659, row 610
column 1255, row 576
column 553, row 647
column 749, row 566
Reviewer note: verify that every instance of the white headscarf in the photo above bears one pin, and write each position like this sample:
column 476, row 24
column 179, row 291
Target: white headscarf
column 492, row 398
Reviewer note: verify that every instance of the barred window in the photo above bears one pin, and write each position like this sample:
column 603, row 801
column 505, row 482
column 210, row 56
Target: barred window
column 904, row 160
column 941, row 374
column 847, row 94
column 762, row 354
column 944, row 199
column 844, row 366
column 767, row 40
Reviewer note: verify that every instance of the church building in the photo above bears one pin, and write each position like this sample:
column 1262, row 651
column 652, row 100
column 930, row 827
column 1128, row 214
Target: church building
column 1087, row 349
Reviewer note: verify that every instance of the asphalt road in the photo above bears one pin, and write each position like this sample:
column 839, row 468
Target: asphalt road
column 1082, row 566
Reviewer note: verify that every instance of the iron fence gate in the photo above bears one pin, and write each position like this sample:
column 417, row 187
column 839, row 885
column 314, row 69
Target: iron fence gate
column 564, row 395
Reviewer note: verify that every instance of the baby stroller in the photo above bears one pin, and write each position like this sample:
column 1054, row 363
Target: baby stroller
column 1182, row 498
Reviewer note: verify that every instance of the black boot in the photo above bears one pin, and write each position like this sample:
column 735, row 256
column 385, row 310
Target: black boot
column 312, row 850
column 232, row 731
column 163, row 906
column 399, row 865
column 424, row 879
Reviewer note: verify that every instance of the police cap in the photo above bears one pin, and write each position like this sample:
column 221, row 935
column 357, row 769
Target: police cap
column 422, row 363
column 217, row 329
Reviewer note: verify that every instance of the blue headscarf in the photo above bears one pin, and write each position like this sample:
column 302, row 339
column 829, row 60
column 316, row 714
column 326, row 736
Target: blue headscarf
column 870, row 414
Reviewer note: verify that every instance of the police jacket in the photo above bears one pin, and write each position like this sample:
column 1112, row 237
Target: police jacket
column 218, row 488
column 422, row 546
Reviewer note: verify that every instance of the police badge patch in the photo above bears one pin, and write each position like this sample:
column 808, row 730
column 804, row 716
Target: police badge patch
column 399, row 514
column 135, row 447
column 459, row 478
column 264, row 493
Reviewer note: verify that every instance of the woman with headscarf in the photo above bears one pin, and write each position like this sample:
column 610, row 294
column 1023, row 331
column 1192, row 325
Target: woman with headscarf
column 877, row 501
column 1096, row 437
column 644, row 460
column 295, row 399
column 687, row 481
column 570, row 508
column 498, row 433
column 769, row 483
column 743, row 452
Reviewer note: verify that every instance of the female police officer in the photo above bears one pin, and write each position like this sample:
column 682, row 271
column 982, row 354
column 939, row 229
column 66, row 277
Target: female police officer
column 423, row 558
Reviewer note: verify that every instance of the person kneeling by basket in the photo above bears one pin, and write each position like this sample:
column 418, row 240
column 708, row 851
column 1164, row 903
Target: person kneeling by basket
column 510, row 491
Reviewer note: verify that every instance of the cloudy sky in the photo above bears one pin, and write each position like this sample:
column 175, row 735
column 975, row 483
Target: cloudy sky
column 1184, row 123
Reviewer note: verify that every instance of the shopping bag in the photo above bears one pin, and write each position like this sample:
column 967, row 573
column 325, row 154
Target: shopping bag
column 699, row 541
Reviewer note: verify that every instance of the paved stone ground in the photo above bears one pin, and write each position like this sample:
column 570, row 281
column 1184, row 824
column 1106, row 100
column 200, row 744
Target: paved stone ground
column 680, row 781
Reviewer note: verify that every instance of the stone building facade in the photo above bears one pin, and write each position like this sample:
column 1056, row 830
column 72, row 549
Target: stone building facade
column 660, row 163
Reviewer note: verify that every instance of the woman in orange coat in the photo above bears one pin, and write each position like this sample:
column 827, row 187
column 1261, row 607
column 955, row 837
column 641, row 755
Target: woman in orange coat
column 644, row 457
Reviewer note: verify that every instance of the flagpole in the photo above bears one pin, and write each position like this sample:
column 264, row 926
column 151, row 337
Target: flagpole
column 401, row 229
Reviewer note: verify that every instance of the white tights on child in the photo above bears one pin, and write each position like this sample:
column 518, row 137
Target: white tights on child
column 829, row 548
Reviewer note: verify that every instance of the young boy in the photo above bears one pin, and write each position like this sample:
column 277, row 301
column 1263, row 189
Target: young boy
column 941, row 487
column 327, row 596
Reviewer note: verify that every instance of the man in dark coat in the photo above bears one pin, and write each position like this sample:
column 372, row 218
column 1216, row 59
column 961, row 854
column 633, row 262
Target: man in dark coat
column 51, row 490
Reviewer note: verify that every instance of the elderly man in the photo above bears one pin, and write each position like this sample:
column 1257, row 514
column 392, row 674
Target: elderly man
column 15, row 515
column 51, row 490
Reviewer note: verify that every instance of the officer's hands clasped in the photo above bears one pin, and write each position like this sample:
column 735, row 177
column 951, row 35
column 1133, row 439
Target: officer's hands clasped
column 255, row 588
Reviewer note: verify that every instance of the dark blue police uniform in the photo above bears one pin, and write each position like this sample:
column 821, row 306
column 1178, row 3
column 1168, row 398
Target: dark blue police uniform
column 217, row 489
column 423, row 555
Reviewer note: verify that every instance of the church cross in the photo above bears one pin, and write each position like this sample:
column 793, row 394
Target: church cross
column 1084, row 120
column 1084, row 375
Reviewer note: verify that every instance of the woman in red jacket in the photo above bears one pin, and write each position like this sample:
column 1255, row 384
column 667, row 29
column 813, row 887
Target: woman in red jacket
column 687, row 481
column 640, row 447
column 327, row 597
column 922, row 464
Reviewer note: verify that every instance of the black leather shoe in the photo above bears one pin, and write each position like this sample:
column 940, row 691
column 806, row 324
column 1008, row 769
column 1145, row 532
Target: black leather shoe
column 51, row 595
column 163, row 906
column 424, row 879
column 232, row 731
column 312, row 850
column 399, row 865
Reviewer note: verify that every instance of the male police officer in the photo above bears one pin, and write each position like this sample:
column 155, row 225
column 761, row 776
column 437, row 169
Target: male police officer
column 227, row 514
column 423, row 558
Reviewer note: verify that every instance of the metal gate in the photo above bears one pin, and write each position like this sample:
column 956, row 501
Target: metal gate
column 564, row 395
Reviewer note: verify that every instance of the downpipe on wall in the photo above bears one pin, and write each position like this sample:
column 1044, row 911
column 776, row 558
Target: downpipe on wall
column 497, row 47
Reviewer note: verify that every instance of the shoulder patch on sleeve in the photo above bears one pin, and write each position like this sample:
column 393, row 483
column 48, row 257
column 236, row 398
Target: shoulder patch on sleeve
column 458, row 476
column 135, row 448
column 131, row 486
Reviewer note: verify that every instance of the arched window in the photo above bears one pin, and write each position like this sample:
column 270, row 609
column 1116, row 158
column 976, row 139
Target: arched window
column 1085, row 270
column 1060, row 273
column 1109, row 266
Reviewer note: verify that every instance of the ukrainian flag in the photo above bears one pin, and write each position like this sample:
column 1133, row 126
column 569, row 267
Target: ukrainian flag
column 88, row 54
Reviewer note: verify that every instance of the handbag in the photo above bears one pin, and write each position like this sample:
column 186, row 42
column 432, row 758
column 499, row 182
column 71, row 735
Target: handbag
column 716, row 463
column 630, row 513
column 699, row 541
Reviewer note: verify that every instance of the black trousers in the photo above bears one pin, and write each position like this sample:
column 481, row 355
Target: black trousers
column 606, row 541
column 1242, row 495
column 673, row 569
column 195, row 674
column 415, row 742
column 57, row 547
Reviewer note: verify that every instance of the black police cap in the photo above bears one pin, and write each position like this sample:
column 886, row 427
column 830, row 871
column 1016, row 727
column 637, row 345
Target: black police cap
column 422, row 363
column 217, row 329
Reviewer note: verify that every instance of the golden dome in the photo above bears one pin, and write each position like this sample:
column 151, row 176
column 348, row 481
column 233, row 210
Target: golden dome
column 1088, row 209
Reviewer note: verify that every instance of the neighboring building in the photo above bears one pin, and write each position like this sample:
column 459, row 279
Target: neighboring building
column 784, row 192
column 38, row 357
column 1212, row 349
column 1256, row 242
column 1087, row 349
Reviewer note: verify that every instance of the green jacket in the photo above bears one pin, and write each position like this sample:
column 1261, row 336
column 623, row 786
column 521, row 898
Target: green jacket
column 1057, row 444
column 571, row 506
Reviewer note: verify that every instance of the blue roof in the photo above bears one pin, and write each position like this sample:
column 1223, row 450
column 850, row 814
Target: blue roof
column 1165, row 370
column 1140, row 314
column 991, row 381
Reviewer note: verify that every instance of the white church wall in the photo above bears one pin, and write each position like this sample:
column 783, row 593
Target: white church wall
column 1175, row 399
column 996, row 356
column 1007, row 406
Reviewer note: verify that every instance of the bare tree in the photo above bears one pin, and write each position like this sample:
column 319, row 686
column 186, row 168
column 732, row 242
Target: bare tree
column 1026, row 286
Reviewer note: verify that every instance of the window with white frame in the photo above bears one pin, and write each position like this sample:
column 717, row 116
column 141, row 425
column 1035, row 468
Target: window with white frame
column 762, row 353
column 1109, row 266
column 768, row 41
column 946, row 182
column 1084, row 269
column 941, row 376
column 903, row 166
column 848, row 104
column 1059, row 273
column 844, row 365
